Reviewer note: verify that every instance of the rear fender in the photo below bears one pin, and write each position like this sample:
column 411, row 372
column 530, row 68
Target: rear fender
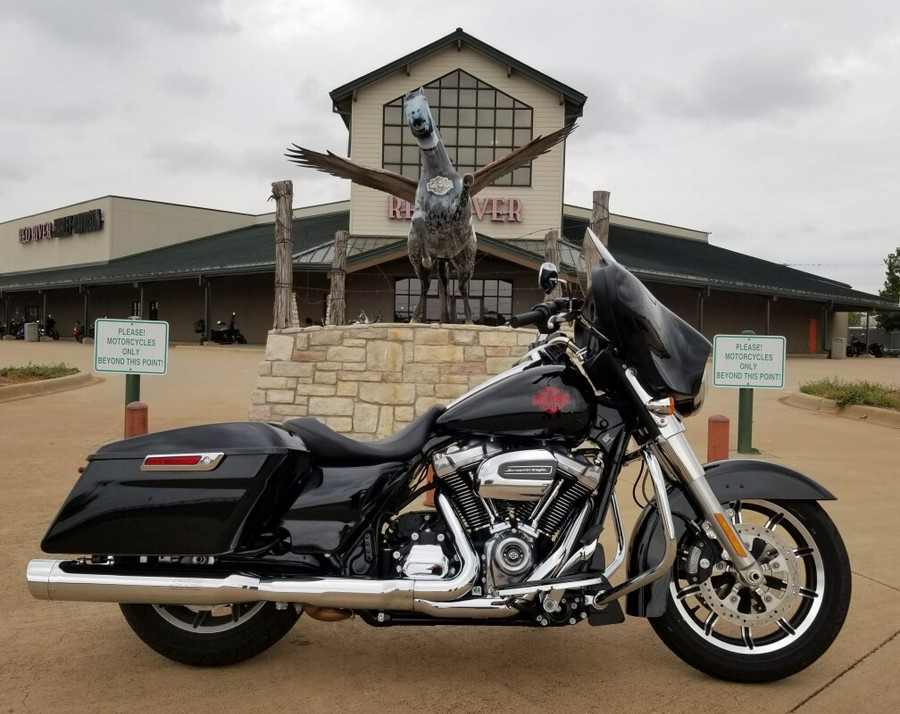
column 730, row 481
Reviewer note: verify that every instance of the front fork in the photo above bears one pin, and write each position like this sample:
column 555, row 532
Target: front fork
column 672, row 449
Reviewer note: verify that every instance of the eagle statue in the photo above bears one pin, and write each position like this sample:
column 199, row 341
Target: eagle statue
column 442, row 233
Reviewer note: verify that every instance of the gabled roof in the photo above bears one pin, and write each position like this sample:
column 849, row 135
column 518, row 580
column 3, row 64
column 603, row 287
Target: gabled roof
column 649, row 255
column 342, row 97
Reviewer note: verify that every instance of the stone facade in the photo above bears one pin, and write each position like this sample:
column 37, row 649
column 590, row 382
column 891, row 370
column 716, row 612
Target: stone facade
column 368, row 381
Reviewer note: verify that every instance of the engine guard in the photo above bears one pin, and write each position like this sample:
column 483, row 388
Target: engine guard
column 730, row 481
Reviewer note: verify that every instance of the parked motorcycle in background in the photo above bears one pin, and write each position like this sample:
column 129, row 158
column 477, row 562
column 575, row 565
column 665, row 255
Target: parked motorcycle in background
column 227, row 333
column 855, row 347
column 49, row 328
column 214, row 539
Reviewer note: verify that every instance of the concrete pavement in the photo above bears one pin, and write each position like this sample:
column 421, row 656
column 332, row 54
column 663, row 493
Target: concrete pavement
column 81, row 656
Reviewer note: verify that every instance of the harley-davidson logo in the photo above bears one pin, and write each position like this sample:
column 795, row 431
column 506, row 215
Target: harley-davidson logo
column 439, row 185
column 551, row 400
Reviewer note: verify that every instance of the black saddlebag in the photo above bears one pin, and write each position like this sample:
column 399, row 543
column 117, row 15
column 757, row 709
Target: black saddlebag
column 193, row 491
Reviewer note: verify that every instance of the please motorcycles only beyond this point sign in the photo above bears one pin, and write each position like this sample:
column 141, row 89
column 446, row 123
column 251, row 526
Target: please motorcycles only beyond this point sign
column 748, row 361
column 131, row 346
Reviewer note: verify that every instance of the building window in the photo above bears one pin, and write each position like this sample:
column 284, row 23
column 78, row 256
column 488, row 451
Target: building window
column 490, row 300
column 136, row 309
column 478, row 125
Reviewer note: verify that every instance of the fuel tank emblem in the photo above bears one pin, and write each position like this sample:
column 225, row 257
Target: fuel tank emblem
column 551, row 400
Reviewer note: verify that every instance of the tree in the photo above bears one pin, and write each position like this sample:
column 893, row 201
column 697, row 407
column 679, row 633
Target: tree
column 891, row 290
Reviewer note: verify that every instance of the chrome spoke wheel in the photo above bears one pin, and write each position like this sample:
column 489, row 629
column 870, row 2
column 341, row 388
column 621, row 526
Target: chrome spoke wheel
column 723, row 626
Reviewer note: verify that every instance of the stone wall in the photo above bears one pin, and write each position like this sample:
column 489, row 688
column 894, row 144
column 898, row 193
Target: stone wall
column 368, row 381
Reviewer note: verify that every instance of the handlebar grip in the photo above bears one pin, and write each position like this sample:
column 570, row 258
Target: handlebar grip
column 533, row 317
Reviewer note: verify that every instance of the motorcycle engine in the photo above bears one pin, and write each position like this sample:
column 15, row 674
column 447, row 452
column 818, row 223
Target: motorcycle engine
column 514, row 502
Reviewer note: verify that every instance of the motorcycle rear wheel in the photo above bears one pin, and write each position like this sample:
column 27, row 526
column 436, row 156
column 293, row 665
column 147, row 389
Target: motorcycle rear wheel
column 735, row 633
column 210, row 636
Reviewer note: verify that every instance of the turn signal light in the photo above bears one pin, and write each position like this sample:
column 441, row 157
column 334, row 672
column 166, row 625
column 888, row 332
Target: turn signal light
column 732, row 536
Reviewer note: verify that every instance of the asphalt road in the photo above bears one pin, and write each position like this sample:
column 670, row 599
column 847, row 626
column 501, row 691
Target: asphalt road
column 80, row 657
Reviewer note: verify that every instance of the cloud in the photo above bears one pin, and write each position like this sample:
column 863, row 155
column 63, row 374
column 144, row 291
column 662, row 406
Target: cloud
column 111, row 24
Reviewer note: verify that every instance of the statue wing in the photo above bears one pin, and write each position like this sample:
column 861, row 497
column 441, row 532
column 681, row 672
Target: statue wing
column 379, row 179
column 484, row 176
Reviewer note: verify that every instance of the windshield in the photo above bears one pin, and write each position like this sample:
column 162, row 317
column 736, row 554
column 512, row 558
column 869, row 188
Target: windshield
column 593, row 255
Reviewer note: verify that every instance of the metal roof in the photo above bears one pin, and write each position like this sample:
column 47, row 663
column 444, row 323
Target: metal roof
column 649, row 255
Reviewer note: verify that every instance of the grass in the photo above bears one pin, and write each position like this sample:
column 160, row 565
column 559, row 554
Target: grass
column 860, row 392
column 35, row 372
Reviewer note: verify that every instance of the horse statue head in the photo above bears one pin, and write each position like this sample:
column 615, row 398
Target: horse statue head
column 419, row 119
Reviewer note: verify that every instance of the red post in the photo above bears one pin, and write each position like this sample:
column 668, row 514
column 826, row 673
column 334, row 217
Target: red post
column 136, row 420
column 717, row 439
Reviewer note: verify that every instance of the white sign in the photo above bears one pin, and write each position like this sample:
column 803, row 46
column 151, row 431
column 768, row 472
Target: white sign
column 754, row 361
column 131, row 346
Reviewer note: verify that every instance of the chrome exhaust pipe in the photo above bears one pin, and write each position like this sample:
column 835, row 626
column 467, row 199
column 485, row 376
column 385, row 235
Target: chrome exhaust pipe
column 48, row 580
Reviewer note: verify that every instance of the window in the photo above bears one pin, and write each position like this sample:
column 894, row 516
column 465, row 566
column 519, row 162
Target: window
column 490, row 300
column 136, row 309
column 478, row 124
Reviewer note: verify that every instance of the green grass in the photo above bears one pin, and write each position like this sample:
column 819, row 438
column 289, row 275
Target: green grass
column 860, row 392
column 35, row 372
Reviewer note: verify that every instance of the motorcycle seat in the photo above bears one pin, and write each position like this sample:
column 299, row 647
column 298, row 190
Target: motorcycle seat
column 330, row 447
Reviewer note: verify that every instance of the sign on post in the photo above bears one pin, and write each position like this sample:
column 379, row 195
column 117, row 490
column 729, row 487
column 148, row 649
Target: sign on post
column 748, row 361
column 131, row 346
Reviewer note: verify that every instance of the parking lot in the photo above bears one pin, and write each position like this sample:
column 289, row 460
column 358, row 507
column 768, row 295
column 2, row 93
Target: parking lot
column 75, row 657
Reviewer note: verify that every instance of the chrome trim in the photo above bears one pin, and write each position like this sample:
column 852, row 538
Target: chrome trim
column 620, row 539
column 531, row 589
column 208, row 461
column 668, row 526
column 48, row 581
column 482, row 608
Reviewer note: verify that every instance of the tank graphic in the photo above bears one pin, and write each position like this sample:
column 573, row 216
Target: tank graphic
column 544, row 401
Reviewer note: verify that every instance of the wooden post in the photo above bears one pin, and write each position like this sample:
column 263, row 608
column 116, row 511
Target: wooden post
column 336, row 302
column 283, row 193
column 600, row 216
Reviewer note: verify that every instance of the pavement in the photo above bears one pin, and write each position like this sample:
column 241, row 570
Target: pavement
column 77, row 657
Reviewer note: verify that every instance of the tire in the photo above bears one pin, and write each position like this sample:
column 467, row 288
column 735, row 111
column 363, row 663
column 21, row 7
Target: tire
column 731, row 632
column 210, row 637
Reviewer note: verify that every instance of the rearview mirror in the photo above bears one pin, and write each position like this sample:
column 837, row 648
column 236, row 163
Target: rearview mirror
column 548, row 278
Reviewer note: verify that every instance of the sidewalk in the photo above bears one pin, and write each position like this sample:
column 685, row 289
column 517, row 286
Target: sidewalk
column 81, row 656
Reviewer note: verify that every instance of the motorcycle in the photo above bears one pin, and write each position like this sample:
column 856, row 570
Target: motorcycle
column 48, row 329
column 227, row 333
column 856, row 347
column 79, row 332
column 214, row 539
column 876, row 349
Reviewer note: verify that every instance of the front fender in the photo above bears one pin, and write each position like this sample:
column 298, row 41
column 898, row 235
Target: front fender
column 730, row 480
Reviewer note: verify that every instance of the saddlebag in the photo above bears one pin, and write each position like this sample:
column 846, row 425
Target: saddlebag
column 200, row 490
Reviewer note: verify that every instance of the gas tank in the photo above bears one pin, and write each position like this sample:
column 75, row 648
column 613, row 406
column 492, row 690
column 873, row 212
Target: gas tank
column 543, row 401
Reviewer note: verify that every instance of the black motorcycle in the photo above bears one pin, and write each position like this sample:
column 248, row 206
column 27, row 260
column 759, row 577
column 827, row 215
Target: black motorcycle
column 855, row 347
column 226, row 333
column 48, row 329
column 214, row 539
column 876, row 350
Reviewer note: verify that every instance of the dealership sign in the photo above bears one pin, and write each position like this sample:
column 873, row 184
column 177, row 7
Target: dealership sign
column 86, row 222
column 498, row 210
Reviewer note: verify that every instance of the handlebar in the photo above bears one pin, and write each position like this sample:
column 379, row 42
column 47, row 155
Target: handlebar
column 532, row 317
column 543, row 315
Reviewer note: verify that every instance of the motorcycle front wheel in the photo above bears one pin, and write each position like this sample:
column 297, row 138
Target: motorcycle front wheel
column 211, row 636
column 742, row 634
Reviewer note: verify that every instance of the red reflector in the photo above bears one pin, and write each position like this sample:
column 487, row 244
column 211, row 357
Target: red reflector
column 190, row 460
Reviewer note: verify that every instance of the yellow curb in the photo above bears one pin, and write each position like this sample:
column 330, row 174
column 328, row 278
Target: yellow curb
column 884, row 417
column 46, row 386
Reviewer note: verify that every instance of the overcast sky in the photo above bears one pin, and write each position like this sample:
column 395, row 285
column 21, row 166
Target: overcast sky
column 773, row 124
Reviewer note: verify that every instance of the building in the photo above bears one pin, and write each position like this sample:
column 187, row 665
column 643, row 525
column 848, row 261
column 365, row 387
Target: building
column 117, row 257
